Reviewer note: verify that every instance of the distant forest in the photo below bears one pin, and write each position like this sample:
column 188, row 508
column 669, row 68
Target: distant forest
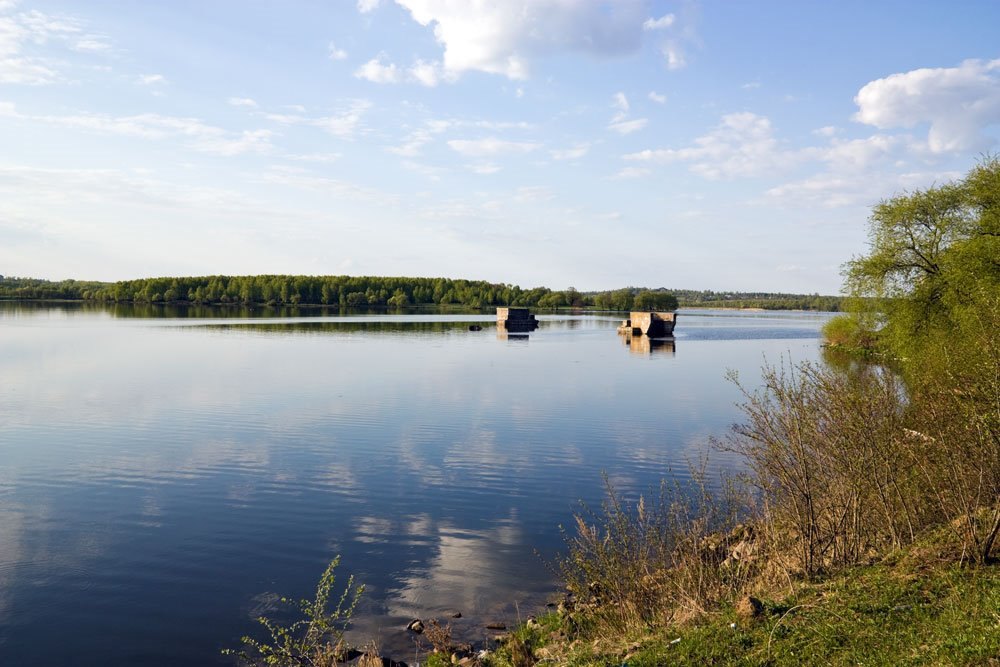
column 355, row 292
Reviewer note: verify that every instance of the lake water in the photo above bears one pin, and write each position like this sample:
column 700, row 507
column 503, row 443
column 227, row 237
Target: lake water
column 164, row 478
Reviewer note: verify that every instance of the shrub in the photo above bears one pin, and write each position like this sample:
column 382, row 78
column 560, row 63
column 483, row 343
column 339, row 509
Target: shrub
column 315, row 640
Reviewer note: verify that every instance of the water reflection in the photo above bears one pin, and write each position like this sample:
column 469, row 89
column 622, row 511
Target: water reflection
column 646, row 346
column 503, row 334
column 161, row 477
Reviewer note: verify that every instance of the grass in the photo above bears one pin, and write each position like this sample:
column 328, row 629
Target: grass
column 892, row 613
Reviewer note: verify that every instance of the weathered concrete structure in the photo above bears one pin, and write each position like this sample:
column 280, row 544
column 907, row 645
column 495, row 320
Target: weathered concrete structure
column 652, row 324
column 516, row 319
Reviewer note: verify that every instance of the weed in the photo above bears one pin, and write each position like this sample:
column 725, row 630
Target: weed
column 315, row 640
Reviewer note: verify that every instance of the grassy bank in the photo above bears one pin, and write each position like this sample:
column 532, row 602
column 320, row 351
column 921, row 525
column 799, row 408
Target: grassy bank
column 910, row 609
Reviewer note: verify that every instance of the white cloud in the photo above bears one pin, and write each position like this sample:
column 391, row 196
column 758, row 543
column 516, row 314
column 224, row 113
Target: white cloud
column 485, row 168
column 674, row 55
column 347, row 123
column 631, row 172
column 620, row 122
column 151, row 79
column 858, row 154
column 427, row 74
column 751, row 85
column 574, row 153
column 958, row 103
column 657, row 97
column 859, row 189
column 365, row 6
column 242, row 102
column 664, row 21
column 620, row 103
column 412, row 145
column 33, row 29
column 335, row 53
column 491, row 146
column 504, row 37
column 201, row 137
column 743, row 144
column 628, row 126
column 825, row 131
column 534, row 193
column 91, row 43
column 249, row 141
column 376, row 71
column 25, row 71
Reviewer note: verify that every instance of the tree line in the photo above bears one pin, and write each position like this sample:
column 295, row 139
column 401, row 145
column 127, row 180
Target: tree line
column 356, row 292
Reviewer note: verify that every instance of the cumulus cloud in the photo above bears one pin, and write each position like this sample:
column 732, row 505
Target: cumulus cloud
column 657, row 97
column 958, row 103
column 743, row 144
column 504, row 37
column 674, row 55
column 242, row 102
column 151, row 79
column 365, row 6
column 428, row 74
column 491, row 146
column 661, row 23
column 335, row 53
column 377, row 70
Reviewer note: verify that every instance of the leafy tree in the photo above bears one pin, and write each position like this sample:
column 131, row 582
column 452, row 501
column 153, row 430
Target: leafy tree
column 934, row 254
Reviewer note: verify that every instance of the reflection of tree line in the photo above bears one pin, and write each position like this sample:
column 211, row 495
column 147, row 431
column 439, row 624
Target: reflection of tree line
column 375, row 326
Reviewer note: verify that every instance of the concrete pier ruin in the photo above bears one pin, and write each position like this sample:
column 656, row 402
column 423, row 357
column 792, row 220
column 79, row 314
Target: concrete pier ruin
column 516, row 320
column 649, row 323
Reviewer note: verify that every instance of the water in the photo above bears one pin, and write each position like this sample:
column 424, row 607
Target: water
column 164, row 479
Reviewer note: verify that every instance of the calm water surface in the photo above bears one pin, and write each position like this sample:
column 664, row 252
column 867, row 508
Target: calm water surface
column 163, row 479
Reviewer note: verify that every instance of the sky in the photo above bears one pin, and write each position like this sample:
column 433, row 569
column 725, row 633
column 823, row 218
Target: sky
column 593, row 144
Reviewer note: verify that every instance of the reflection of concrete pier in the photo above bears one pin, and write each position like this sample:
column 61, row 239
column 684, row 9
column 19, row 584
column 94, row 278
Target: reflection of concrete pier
column 646, row 346
column 652, row 324
column 517, row 320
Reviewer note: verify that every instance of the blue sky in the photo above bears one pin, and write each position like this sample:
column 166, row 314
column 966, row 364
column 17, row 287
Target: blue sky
column 715, row 145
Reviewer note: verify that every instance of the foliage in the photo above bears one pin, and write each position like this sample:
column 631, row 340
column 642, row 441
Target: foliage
column 389, row 292
column 849, row 331
column 316, row 639
column 631, row 566
column 934, row 256
column 34, row 288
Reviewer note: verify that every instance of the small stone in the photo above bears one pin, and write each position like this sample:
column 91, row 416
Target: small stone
column 416, row 626
column 496, row 626
column 456, row 614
